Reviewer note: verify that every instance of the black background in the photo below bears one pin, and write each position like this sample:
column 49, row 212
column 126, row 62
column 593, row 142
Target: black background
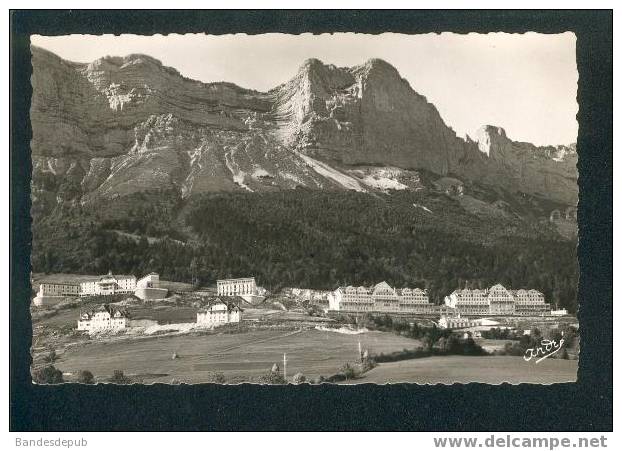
column 582, row 406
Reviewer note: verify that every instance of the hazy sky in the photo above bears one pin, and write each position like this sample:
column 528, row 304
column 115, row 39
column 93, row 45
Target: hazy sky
column 525, row 83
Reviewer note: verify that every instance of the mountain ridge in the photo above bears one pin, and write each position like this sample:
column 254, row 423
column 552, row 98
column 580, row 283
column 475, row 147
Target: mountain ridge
column 121, row 125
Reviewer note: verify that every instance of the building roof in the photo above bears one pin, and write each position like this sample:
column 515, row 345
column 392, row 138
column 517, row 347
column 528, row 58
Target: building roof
column 98, row 278
column 229, row 302
column 113, row 311
column 60, row 283
column 382, row 286
column 234, row 280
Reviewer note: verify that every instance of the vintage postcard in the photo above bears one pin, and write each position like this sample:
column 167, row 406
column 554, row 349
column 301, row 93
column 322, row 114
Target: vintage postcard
column 304, row 209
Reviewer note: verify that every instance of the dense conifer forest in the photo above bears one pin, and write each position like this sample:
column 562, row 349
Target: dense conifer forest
column 311, row 239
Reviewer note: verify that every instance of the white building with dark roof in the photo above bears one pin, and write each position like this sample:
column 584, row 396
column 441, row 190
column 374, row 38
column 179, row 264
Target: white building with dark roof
column 108, row 285
column 105, row 318
column 219, row 312
column 498, row 300
column 381, row 298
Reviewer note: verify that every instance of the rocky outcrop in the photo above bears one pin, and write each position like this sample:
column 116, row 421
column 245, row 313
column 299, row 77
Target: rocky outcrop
column 546, row 172
column 363, row 115
column 121, row 125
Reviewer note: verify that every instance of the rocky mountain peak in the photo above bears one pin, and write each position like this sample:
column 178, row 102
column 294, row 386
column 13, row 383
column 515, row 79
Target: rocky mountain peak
column 489, row 136
column 127, row 124
column 379, row 67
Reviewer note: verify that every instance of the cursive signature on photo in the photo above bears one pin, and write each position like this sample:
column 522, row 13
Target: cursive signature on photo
column 546, row 349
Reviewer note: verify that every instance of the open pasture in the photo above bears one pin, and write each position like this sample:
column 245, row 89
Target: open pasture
column 465, row 369
column 239, row 357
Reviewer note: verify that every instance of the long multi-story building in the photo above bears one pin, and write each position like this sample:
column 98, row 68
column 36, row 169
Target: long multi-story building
column 246, row 288
column 498, row 300
column 53, row 293
column 108, row 285
column 236, row 287
column 381, row 298
column 147, row 288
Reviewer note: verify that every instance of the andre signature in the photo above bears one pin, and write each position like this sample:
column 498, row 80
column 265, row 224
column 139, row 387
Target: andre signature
column 546, row 349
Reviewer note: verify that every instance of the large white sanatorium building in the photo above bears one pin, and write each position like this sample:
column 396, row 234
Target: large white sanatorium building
column 498, row 300
column 219, row 312
column 246, row 288
column 108, row 285
column 104, row 318
column 146, row 288
column 381, row 298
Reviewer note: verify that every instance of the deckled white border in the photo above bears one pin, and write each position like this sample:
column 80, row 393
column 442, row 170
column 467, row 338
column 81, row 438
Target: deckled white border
column 268, row 441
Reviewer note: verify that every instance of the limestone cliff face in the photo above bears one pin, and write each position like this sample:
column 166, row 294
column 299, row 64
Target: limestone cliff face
column 547, row 172
column 363, row 115
column 370, row 115
column 121, row 125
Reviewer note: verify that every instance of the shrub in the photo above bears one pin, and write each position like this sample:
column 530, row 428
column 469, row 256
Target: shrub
column 216, row 378
column 47, row 375
column 319, row 380
column 339, row 377
column 299, row 378
column 51, row 357
column 367, row 365
column 348, row 371
column 119, row 378
column 86, row 377
column 272, row 378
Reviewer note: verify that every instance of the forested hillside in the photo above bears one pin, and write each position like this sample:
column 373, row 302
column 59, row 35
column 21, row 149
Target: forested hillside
column 313, row 239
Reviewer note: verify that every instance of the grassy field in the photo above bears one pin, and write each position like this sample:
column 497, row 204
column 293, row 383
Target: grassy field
column 491, row 345
column 238, row 356
column 462, row 369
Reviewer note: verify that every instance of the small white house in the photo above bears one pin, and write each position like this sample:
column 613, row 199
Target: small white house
column 219, row 312
column 560, row 312
column 456, row 322
column 104, row 318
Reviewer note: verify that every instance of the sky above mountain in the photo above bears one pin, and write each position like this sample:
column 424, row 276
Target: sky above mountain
column 525, row 83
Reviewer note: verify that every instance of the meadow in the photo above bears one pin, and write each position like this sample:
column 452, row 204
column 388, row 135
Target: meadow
column 240, row 357
column 465, row 369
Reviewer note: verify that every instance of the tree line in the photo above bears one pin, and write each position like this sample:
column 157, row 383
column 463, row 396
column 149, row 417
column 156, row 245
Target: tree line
column 312, row 239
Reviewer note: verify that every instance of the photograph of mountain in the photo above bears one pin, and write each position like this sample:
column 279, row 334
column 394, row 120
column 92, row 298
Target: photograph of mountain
column 366, row 209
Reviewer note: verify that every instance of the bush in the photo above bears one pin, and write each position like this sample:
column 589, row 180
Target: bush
column 299, row 378
column 339, row 377
column 51, row 357
column 498, row 333
column 272, row 378
column 86, row 377
column 119, row 378
column 405, row 354
column 368, row 364
column 348, row 371
column 47, row 375
column 216, row 378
